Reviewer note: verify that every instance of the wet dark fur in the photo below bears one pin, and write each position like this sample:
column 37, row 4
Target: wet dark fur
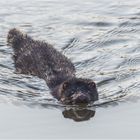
column 41, row 59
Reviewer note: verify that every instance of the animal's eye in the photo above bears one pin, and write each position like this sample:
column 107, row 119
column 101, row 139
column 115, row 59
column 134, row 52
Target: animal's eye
column 65, row 85
column 72, row 92
column 91, row 85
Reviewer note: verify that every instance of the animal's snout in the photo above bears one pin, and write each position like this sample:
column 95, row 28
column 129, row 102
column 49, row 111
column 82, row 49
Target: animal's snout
column 81, row 98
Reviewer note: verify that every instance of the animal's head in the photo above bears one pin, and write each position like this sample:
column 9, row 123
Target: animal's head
column 77, row 91
column 14, row 36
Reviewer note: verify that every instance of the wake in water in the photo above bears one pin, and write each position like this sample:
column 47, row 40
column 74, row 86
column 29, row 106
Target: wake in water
column 104, row 46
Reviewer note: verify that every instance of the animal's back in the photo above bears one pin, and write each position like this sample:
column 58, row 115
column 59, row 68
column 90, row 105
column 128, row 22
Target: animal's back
column 41, row 59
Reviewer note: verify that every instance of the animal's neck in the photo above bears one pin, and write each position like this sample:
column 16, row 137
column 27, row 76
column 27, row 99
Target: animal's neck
column 57, row 82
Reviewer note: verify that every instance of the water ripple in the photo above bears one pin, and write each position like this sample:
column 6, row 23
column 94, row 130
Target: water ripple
column 102, row 43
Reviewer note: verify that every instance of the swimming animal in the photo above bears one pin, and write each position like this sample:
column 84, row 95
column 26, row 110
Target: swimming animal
column 38, row 58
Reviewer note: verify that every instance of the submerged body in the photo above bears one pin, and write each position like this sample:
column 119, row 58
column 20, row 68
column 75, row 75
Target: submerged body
column 41, row 59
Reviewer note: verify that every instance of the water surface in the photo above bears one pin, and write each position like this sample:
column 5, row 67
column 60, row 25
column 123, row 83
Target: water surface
column 102, row 39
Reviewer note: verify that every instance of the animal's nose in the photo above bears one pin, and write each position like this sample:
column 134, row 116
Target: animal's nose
column 81, row 98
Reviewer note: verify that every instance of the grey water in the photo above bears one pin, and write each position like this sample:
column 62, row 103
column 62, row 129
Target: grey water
column 102, row 39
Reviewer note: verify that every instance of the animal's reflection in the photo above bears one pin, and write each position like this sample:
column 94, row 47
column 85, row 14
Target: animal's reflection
column 78, row 114
column 75, row 113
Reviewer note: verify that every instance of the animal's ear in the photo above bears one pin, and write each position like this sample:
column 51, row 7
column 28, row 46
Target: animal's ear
column 65, row 85
column 91, row 84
